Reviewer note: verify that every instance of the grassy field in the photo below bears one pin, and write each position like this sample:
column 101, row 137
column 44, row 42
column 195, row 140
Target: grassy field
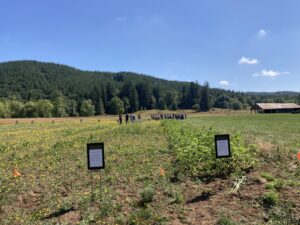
column 283, row 129
column 138, row 185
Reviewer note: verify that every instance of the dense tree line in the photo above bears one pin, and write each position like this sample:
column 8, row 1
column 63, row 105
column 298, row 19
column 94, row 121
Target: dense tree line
column 35, row 89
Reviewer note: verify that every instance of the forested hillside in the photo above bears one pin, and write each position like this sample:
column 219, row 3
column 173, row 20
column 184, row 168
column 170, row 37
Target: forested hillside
column 36, row 89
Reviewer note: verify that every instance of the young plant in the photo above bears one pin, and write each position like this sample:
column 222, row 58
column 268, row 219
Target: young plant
column 147, row 195
column 270, row 198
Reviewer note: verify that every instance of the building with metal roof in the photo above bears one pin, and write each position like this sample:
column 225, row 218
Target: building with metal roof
column 276, row 108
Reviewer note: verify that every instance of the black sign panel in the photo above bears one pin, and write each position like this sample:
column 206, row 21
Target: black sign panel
column 95, row 156
column 222, row 146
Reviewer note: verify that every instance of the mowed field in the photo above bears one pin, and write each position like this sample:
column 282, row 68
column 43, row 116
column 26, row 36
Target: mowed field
column 138, row 185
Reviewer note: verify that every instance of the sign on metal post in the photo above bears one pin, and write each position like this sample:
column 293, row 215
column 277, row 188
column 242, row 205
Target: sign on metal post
column 222, row 146
column 95, row 156
column 95, row 161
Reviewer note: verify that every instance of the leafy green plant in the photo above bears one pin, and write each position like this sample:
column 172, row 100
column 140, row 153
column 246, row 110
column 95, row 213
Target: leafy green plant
column 175, row 195
column 267, row 176
column 147, row 195
column 270, row 198
column 282, row 214
column 275, row 185
column 224, row 220
column 194, row 151
column 141, row 216
column 270, row 186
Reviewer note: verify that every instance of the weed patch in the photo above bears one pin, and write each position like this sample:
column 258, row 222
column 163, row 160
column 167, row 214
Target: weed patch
column 282, row 214
column 224, row 220
column 147, row 195
column 194, row 151
column 267, row 176
column 270, row 198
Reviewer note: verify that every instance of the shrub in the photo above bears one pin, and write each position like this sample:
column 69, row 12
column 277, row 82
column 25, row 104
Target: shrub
column 275, row 185
column 196, row 107
column 173, row 106
column 270, row 198
column 175, row 195
column 116, row 106
column 87, row 108
column 4, row 110
column 194, row 151
column 147, row 195
column 162, row 104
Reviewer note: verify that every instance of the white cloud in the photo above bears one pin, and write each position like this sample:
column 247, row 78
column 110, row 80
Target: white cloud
column 150, row 21
column 120, row 19
column 156, row 19
column 224, row 82
column 248, row 61
column 269, row 73
column 262, row 33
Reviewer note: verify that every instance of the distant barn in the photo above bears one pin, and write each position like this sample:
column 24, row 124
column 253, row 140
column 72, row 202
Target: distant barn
column 276, row 108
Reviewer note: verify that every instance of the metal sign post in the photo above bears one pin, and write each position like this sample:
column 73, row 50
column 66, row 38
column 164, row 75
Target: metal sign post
column 95, row 161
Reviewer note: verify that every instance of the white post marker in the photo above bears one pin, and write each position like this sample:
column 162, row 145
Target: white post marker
column 222, row 146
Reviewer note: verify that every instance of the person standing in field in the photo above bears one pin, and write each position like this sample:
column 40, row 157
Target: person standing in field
column 120, row 119
column 126, row 118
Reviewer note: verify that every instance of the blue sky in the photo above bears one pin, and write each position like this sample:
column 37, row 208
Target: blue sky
column 232, row 44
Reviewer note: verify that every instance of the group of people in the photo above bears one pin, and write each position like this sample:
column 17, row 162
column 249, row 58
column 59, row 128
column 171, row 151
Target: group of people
column 131, row 117
column 168, row 116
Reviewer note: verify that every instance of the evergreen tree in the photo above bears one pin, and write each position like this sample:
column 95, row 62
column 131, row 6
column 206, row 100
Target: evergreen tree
column 222, row 102
column 157, row 93
column 100, row 107
column 173, row 106
column 133, row 98
column 129, row 91
column 126, row 104
column 111, row 91
column 104, row 98
column 204, row 102
column 170, row 98
column 162, row 104
column 72, row 108
column 144, row 93
column 183, row 98
column 97, row 100
column 192, row 96
column 152, row 102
